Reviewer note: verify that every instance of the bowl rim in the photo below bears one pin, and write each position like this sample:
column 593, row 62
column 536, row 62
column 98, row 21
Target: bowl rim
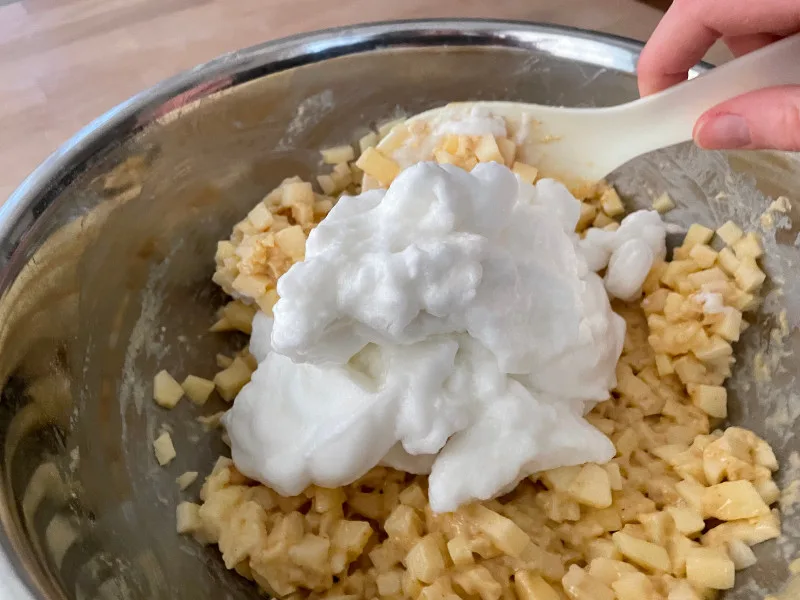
column 21, row 577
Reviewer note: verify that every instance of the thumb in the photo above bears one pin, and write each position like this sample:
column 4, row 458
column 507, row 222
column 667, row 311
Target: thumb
column 764, row 119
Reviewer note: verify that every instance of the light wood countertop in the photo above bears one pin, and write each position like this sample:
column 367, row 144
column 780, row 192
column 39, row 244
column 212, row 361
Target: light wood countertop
column 65, row 62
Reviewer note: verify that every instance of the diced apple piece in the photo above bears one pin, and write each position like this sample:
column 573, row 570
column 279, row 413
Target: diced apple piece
column 611, row 203
column 748, row 275
column 445, row 158
column 710, row 568
column 678, row 547
column 682, row 590
column 386, row 555
column 508, row 149
column 452, row 142
column 561, row 478
column 487, row 150
column 633, row 586
column 607, row 518
column 741, row 554
column 164, row 449
column 478, row 581
column 608, row 570
column 711, row 399
column 749, row 246
column 230, row 381
column 292, row 241
column 663, row 203
column 764, row 455
column 166, row 391
column 641, row 552
column 390, row 583
column 260, row 217
column 768, row 490
column 503, row 532
column 188, row 518
column 657, row 525
column 460, row 551
column 252, row 286
column 602, row 548
column 197, row 389
column 301, row 192
column 689, row 370
column 587, row 216
column 670, row 453
column 338, row 154
column 727, row 261
column 211, row 422
column 530, row 586
column 414, row 496
column 614, row 475
column 240, row 314
column 626, row 442
column 267, row 301
column 697, row 234
column 703, row 255
column 653, row 280
column 656, row 301
column 549, row 564
column 559, row 507
column 664, row 365
column 707, row 276
column 187, row 479
column 579, row 585
column 370, row 140
column 729, row 327
column 529, row 173
column 716, row 348
column 688, row 520
column 425, row 561
column 591, row 486
column 412, row 588
column 378, row 166
column 311, row 552
column 673, row 303
column 404, row 525
column 730, row 233
column 750, row 531
column 351, row 537
column 357, row 173
column 602, row 220
column 225, row 249
column 733, row 500
column 326, row 184
column 386, row 128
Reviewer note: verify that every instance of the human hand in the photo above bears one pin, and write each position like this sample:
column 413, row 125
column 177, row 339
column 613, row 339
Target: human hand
column 768, row 118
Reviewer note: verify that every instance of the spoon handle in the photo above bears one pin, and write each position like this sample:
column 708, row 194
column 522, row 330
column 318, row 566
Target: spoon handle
column 668, row 117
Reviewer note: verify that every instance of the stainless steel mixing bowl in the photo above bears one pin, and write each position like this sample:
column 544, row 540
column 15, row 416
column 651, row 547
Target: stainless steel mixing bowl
column 106, row 253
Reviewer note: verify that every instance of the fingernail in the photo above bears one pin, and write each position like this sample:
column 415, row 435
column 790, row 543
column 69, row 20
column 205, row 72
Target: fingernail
column 723, row 131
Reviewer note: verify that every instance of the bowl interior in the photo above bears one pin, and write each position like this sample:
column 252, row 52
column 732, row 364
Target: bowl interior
column 106, row 280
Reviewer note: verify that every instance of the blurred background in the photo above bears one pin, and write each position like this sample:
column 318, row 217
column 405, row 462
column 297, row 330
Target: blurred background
column 65, row 62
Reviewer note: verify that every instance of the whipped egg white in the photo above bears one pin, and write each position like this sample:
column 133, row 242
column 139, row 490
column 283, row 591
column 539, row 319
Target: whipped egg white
column 454, row 324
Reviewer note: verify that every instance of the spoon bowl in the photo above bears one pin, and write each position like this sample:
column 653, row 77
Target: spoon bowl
column 578, row 145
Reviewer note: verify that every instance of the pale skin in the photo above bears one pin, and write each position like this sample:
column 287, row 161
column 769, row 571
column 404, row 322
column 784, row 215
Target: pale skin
column 767, row 118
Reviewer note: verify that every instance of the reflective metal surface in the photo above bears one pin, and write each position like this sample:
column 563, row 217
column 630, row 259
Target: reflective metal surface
column 106, row 254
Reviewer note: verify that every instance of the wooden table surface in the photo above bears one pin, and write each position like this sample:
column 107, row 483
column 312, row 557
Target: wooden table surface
column 65, row 62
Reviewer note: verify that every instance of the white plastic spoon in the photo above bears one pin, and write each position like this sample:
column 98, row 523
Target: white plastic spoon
column 587, row 144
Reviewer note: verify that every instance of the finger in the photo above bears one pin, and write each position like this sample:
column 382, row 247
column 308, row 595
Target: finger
column 690, row 27
column 764, row 119
column 740, row 45
column 680, row 40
